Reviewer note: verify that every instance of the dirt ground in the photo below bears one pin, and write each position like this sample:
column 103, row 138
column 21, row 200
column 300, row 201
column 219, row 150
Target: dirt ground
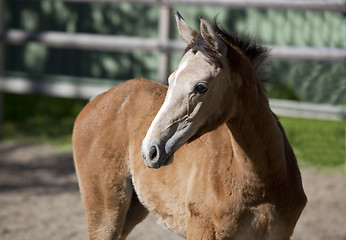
column 39, row 199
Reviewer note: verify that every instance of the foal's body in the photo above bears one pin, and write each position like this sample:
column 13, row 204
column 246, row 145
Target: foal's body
column 205, row 184
column 238, row 181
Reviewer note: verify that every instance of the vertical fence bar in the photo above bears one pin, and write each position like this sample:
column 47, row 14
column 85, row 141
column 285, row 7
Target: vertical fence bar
column 164, row 56
column 2, row 56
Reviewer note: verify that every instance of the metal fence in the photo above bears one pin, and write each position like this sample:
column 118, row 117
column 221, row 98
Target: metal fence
column 164, row 45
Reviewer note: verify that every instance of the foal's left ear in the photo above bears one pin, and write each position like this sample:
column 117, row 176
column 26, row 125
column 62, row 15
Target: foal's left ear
column 211, row 37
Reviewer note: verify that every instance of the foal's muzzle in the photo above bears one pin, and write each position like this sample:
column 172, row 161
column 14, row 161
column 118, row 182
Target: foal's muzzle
column 155, row 156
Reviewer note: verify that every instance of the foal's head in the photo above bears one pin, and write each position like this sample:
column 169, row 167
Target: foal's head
column 203, row 91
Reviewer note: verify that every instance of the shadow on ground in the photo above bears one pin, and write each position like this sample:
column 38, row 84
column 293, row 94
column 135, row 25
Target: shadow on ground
column 28, row 166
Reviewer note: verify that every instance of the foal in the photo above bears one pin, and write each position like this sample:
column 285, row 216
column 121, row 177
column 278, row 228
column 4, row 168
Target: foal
column 217, row 163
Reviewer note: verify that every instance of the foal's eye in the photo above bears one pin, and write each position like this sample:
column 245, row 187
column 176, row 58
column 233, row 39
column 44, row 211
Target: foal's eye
column 201, row 87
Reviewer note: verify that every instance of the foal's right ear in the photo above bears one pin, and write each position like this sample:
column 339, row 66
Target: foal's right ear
column 187, row 33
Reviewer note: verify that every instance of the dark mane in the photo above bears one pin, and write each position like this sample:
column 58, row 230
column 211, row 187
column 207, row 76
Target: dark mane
column 237, row 44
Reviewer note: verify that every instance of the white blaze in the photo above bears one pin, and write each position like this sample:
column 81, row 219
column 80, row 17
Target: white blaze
column 167, row 103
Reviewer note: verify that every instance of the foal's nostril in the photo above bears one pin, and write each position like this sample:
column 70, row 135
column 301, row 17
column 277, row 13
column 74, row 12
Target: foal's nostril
column 152, row 153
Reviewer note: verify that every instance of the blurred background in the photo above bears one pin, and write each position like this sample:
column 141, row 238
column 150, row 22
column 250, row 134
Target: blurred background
column 56, row 55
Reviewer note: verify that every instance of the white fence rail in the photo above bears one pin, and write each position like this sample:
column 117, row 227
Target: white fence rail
column 307, row 110
column 165, row 45
column 21, row 85
column 118, row 43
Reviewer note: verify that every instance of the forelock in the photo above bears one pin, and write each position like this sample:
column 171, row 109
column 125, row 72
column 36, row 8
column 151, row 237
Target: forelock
column 237, row 45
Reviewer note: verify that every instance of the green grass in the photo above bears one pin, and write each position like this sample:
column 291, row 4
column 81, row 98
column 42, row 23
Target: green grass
column 317, row 143
column 40, row 119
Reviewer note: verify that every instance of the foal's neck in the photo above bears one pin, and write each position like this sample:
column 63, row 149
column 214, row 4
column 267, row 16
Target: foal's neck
column 257, row 139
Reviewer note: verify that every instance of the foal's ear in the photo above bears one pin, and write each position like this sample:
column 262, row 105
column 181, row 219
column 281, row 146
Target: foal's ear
column 211, row 37
column 187, row 33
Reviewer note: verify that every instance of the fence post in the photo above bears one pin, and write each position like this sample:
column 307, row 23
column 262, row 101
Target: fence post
column 164, row 56
column 2, row 56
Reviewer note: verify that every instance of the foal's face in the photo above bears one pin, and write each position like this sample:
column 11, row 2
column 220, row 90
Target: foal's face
column 198, row 100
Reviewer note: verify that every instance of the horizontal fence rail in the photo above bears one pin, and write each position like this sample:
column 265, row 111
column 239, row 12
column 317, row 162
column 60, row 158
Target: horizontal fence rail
column 330, row 5
column 22, row 85
column 307, row 110
column 118, row 43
